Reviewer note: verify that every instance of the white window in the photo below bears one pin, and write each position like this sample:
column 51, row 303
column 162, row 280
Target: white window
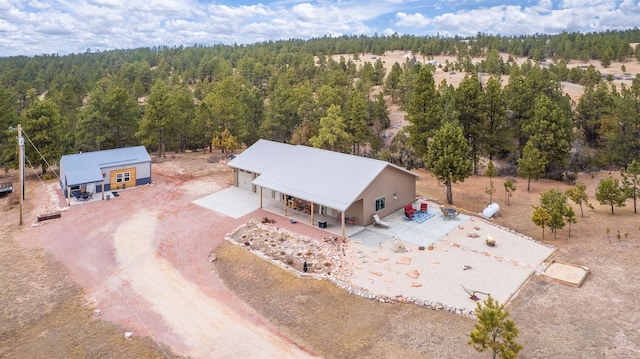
column 123, row 177
column 380, row 204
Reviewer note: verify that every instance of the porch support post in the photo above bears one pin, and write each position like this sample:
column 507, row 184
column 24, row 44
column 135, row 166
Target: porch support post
column 260, row 197
column 69, row 195
column 284, row 202
column 312, row 214
column 343, row 235
column 103, row 190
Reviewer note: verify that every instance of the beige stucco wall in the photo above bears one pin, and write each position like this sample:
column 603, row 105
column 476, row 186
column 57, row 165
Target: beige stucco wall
column 391, row 181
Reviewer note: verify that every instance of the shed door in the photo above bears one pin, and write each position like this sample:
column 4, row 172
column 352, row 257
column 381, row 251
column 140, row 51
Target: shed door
column 244, row 180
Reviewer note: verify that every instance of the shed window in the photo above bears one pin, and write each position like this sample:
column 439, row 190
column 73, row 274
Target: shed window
column 123, row 177
column 380, row 204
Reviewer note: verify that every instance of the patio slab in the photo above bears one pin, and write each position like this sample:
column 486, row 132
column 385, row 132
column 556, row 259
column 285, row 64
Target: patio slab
column 420, row 234
column 460, row 262
column 233, row 202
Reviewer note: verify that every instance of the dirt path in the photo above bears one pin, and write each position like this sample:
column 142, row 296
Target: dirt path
column 204, row 324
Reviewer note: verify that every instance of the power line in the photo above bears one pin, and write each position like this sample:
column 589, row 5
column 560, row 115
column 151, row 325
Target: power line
column 98, row 265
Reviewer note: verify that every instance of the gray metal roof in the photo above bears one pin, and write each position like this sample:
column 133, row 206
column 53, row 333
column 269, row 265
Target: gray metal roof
column 81, row 168
column 80, row 177
column 328, row 178
column 260, row 156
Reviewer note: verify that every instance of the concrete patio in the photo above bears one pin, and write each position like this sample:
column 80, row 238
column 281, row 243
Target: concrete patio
column 440, row 276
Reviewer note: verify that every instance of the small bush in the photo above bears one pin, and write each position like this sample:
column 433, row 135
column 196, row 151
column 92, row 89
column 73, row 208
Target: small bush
column 571, row 177
column 47, row 177
column 556, row 175
column 507, row 170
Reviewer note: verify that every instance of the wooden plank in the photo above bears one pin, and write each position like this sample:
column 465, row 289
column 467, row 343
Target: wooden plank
column 47, row 216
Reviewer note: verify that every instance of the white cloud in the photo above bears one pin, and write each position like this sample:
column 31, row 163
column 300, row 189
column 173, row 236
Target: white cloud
column 411, row 20
column 628, row 6
column 7, row 27
column 62, row 26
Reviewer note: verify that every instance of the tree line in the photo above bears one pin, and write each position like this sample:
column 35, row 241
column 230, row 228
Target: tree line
column 189, row 98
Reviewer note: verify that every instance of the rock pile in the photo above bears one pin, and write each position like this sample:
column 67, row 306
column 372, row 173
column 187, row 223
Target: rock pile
column 289, row 249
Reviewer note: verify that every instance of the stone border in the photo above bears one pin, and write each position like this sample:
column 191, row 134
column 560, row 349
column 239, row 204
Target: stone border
column 346, row 285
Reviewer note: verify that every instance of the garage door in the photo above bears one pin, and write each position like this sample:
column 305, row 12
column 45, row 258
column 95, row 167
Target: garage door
column 244, row 180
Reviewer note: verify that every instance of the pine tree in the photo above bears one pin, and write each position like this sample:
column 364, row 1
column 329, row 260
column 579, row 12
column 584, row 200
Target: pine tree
column 332, row 134
column 578, row 194
column 541, row 217
column 491, row 173
column 494, row 330
column 554, row 203
column 509, row 188
column 531, row 165
column 448, row 157
column 422, row 111
column 631, row 182
column 610, row 191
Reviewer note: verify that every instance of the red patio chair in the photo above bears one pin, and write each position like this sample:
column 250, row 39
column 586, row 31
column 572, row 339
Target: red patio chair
column 409, row 209
column 423, row 207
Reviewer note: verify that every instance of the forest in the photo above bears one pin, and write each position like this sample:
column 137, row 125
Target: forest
column 225, row 97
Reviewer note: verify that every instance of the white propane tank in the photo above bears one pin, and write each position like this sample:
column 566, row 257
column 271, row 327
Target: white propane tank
column 491, row 210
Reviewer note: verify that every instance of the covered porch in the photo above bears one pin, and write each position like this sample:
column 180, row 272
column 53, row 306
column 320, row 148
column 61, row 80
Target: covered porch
column 299, row 209
column 331, row 223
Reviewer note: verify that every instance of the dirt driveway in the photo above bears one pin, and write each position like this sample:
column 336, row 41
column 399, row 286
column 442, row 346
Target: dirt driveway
column 142, row 259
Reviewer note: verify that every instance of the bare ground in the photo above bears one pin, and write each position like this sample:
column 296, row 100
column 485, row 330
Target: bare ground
column 50, row 288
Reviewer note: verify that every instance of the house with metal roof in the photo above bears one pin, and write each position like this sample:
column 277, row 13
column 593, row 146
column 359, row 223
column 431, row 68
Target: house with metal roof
column 334, row 184
column 102, row 171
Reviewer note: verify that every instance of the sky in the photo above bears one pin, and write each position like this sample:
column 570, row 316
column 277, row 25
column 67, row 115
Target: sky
column 38, row 27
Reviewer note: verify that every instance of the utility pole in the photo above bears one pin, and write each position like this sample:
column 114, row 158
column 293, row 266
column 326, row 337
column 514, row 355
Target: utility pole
column 21, row 174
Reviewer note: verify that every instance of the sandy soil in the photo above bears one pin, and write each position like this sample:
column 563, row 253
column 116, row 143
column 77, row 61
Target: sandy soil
column 620, row 77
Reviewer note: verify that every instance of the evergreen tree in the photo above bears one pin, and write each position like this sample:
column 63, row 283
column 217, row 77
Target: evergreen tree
column 578, row 194
column 469, row 104
column 531, row 165
column 357, row 121
column 551, row 132
column 491, row 173
column 45, row 132
column 611, row 192
column 541, row 217
column 8, row 117
column 593, row 105
column 422, row 111
column 554, row 203
column 496, row 134
column 392, row 81
column 631, row 182
column 494, row 330
column 158, row 126
column 448, row 157
column 332, row 134
column 509, row 188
